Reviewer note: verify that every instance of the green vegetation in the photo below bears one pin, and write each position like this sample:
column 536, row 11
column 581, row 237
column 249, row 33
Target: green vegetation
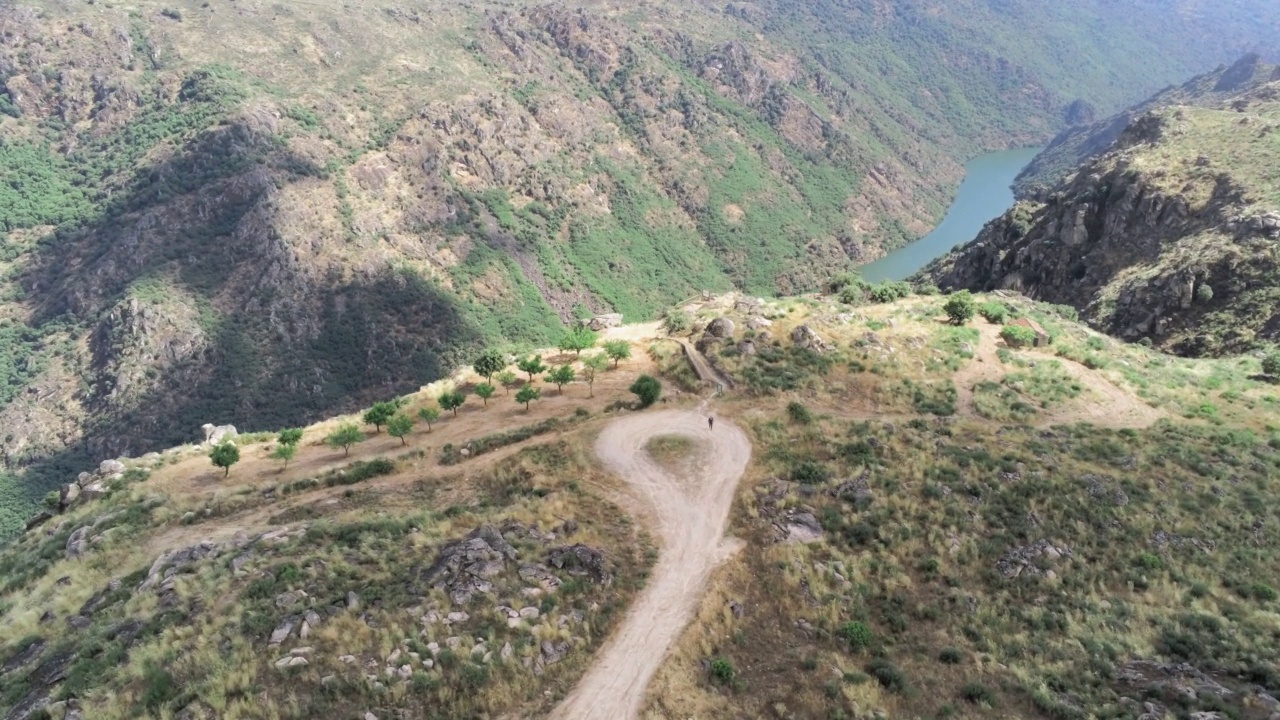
column 224, row 455
column 527, row 395
column 647, row 390
column 344, row 437
column 489, row 364
column 429, row 415
column 960, row 307
column 577, row 339
column 484, row 391
column 400, row 426
column 592, row 366
column 560, row 376
column 507, row 378
column 994, row 312
column 379, row 414
column 1018, row 336
column 290, row 436
column 453, row 400
column 617, row 350
column 285, row 452
column 531, row 366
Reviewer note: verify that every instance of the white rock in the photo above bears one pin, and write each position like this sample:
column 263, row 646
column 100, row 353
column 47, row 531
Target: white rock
column 458, row 617
column 530, row 613
column 302, row 651
column 298, row 662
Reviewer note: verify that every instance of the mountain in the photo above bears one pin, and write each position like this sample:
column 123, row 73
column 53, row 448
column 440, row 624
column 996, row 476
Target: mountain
column 1088, row 138
column 1168, row 237
column 264, row 213
column 893, row 516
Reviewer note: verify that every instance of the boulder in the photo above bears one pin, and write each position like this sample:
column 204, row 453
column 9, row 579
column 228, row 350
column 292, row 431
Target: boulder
column 93, row 491
column 170, row 562
column 747, row 347
column 215, row 434
column 68, row 495
column 78, row 543
column 604, row 322
column 580, row 560
column 111, row 467
column 721, row 327
column 282, row 631
column 807, row 338
column 802, row 528
column 758, row 323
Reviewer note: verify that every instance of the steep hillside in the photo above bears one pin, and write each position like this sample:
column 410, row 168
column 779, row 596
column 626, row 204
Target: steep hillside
column 268, row 212
column 1086, row 534
column 1170, row 237
column 1087, row 138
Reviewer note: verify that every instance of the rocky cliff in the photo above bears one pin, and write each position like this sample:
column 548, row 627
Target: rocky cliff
column 1172, row 236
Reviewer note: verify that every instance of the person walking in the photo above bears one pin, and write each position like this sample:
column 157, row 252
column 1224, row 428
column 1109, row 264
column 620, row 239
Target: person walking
column 711, row 423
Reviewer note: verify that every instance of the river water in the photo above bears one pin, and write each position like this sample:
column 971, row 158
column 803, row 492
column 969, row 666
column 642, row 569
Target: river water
column 985, row 194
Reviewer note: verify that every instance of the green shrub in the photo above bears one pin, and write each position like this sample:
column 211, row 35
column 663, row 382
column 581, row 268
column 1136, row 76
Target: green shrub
column 677, row 321
column 647, row 389
column 888, row 675
column 1018, row 336
column 1148, row 561
column 722, row 671
column 857, row 634
column 887, row 292
column 1263, row 592
column 994, row 312
column 960, row 307
column 810, row 472
column 799, row 413
column 950, row 656
column 1271, row 364
column 978, row 694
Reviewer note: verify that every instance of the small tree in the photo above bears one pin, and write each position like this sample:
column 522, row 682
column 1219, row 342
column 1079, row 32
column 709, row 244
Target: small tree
column 429, row 415
column 561, row 376
column 484, row 391
column 284, row 451
column 453, row 400
column 532, row 365
column 676, row 321
column 379, row 414
column 400, row 426
column 344, row 437
column 489, row 363
column 507, row 379
column 617, row 350
column 592, row 366
column 647, row 389
column 290, row 436
column 578, row 339
column 528, row 394
column 1271, row 364
column 224, row 455
column 960, row 307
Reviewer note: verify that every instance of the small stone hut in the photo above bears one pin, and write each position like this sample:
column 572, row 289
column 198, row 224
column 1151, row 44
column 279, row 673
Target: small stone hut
column 1042, row 337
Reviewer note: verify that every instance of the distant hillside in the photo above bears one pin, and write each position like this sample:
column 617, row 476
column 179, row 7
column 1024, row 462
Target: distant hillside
column 266, row 212
column 1172, row 236
column 1087, row 139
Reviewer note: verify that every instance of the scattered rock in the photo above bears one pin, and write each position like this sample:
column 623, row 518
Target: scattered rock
column 758, row 323
column 111, row 467
column 604, row 322
column 463, row 568
column 353, row 600
column 581, row 560
column 721, row 327
column 171, row 562
column 78, row 543
column 553, row 653
column 529, row 613
column 282, row 631
column 747, row 348
column 800, row 528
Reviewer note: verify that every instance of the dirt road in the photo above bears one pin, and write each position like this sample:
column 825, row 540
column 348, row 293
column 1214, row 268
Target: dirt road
column 690, row 514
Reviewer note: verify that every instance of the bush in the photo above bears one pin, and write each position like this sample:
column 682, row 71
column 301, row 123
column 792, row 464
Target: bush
column 648, row 389
column 799, row 413
column 888, row 675
column 1263, row 592
column 810, row 473
column 722, row 671
column 1271, row 364
column 960, row 307
column 950, row 656
column 1147, row 561
column 1018, row 336
column 677, row 321
column 1204, row 293
column 978, row 694
column 857, row 634
column 994, row 312
column 887, row 292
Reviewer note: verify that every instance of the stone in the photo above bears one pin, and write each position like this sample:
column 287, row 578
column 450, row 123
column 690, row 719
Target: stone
column 747, row 348
column 353, row 600
column 463, row 568
column 393, row 657
column 215, row 434
column 68, row 495
column 170, row 562
column 604, row 321
column 282, row 632
column 507, row 652
column 580, row 560
column 807, row 338
column 111, row 467
column 758, row 323
column 93, row 491
column 457, row 617
column 300, row 651
column 370, row 716
column 721, row 327
column 288, row 599
column 305, row 631
column 346, row 659
column 240, row 561
column 404, row 672
column 802, row 528
column 78, row 542
column 529, row 613
column 553, row 653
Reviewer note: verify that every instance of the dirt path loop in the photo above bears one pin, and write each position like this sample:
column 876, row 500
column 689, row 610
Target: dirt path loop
column 690, row 514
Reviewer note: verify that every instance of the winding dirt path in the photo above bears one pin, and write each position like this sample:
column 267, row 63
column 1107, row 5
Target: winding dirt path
column 690, row 513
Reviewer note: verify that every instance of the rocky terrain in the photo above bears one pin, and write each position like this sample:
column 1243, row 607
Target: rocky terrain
column 1087, row 535
column 264, row 214
column 1168, row 237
